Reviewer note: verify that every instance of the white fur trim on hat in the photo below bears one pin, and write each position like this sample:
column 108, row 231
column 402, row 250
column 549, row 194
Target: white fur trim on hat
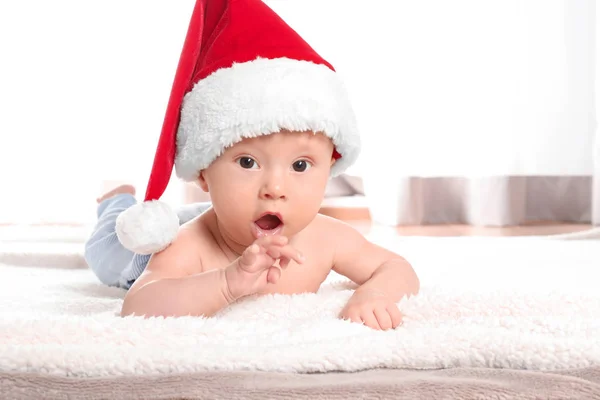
column 148, row 227
column 258, row 98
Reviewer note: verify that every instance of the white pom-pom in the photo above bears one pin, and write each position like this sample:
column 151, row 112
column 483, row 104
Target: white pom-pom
column 148, row 227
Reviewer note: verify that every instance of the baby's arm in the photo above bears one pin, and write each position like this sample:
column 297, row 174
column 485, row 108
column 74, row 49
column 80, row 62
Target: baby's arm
column 384, row 277
column 175, row 283
column 371, row 266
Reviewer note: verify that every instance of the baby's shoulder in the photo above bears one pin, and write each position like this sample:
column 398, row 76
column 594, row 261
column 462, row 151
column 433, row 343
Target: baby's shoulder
column 197, row 235
column 342, row 237
column 324, row 226
column 327, row 230
column 185, row 254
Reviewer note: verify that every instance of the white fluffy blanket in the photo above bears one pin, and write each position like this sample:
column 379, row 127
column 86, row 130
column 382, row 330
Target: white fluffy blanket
column 491, row 302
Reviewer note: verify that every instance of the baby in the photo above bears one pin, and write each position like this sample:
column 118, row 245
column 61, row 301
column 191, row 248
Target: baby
column 262, row 132
column 263, row 234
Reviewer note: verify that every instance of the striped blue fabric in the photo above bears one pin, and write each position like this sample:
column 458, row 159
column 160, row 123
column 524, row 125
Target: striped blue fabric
column 113, row 264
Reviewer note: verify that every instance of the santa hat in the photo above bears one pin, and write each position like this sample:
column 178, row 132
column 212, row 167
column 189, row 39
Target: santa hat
column 243, row 72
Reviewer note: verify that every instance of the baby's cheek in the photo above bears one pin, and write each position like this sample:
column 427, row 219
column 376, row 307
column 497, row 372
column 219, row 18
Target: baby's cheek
column 307, row 205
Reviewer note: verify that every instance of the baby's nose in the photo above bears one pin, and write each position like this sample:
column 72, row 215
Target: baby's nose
column 272, row 192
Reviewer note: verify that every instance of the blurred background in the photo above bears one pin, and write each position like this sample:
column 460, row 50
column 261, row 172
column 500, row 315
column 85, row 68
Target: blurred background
column 474, row 112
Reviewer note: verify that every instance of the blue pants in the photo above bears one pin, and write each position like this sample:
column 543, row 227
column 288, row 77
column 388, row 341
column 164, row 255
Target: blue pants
column 113, row 264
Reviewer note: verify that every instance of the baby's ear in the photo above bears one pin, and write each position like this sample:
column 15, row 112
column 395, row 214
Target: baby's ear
column 332, row 161
column 202, row 181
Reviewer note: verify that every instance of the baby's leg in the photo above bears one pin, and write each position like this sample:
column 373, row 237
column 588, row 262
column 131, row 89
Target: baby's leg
column 108, row 259
column 104, row 254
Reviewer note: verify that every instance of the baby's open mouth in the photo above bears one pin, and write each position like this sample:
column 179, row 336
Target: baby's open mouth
column 268, row 222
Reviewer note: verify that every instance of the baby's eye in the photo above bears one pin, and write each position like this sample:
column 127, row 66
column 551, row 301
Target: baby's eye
column 301, row 165
column 246, row 162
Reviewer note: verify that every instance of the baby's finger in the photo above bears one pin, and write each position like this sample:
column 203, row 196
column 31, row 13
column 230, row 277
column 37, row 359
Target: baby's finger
column 268, row 241
column 274, row 251
column 249, row 255
column 291, row 253
column 352, row 316
column 395, row 315
column 280, row 253
column 273, row 275
column 383, row 318
column 284, row 262
column 370, row 320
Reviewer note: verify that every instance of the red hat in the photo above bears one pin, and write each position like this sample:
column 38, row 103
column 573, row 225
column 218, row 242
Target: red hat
column 243, row 72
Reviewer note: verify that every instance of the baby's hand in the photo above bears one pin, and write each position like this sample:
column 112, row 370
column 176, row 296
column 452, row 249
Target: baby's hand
column 373, row 309
column 254, row 269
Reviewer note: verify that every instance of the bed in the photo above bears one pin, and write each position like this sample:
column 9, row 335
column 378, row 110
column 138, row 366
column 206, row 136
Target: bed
column 497, row 318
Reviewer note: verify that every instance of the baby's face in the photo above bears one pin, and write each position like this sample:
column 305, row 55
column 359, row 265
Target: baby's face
column 283, row 175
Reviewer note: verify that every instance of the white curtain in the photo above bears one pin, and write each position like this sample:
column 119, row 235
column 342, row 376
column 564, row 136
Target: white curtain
column 473, row 111
column 479, row 111
column 503, row 108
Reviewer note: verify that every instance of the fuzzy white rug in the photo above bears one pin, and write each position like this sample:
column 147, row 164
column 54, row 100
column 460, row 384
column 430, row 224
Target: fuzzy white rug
column 485, row 302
